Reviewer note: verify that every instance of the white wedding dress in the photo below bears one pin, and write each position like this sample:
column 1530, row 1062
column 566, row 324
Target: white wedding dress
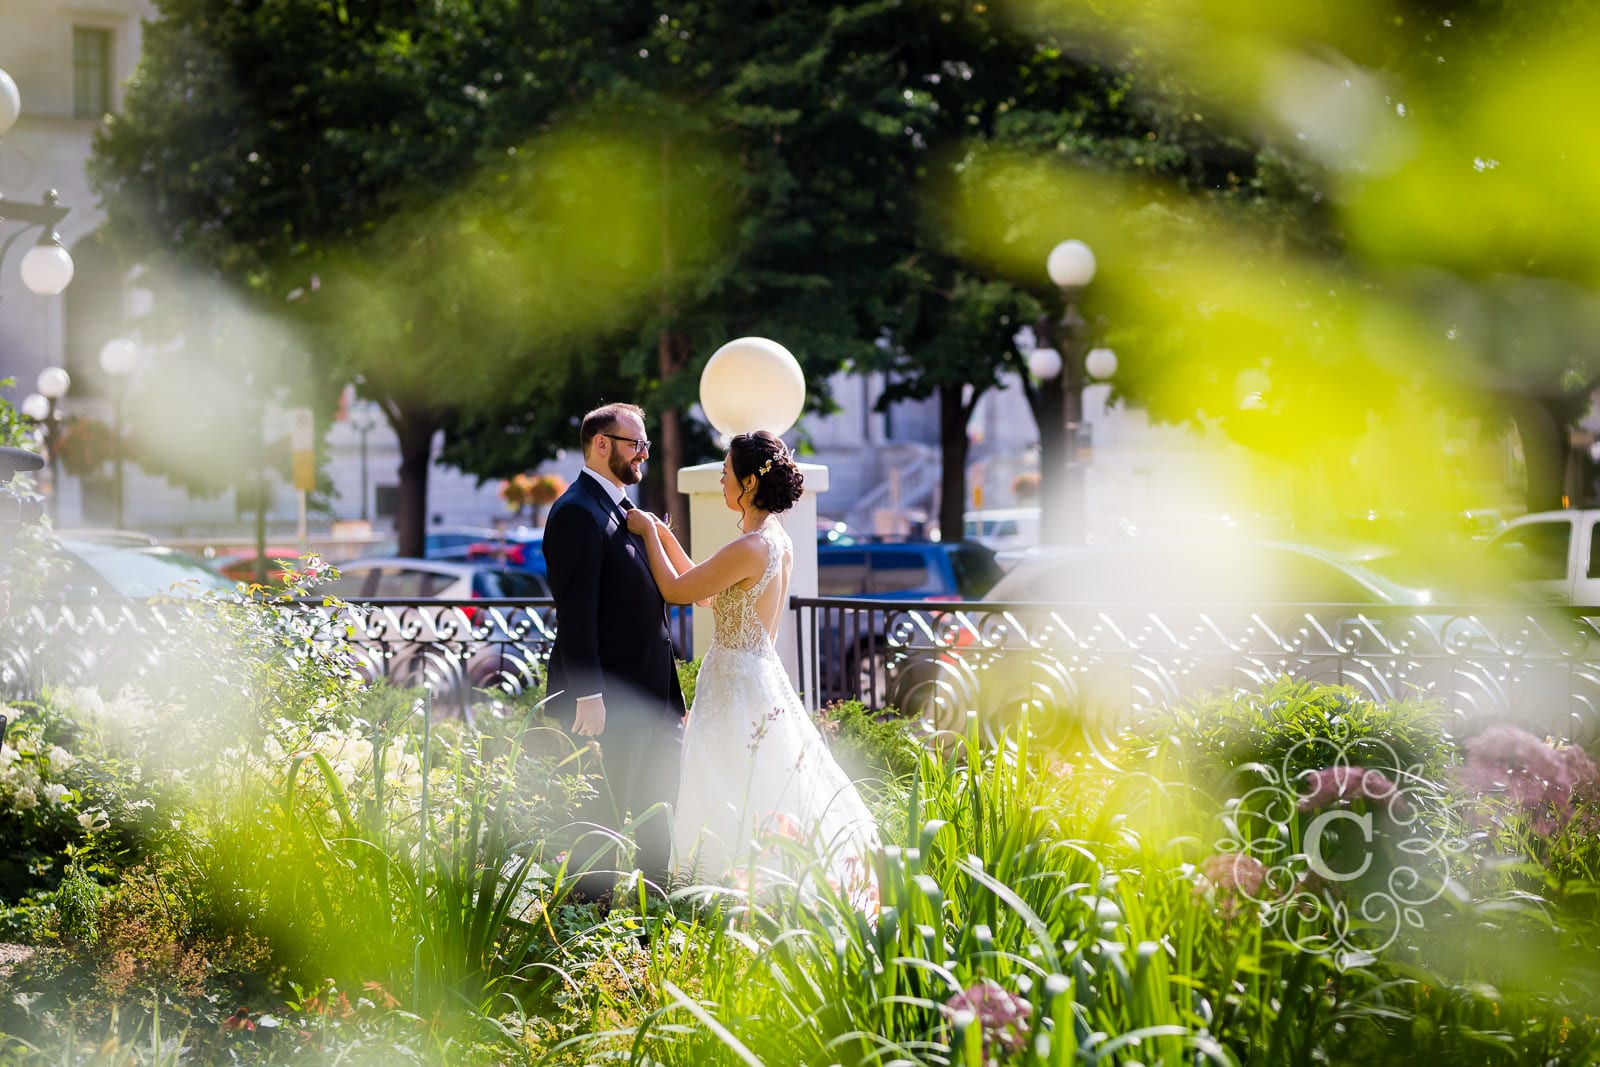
column 755, row 766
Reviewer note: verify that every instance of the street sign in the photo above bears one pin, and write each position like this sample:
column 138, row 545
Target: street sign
column 302, row 439
column 302, row 430
column 305, row 470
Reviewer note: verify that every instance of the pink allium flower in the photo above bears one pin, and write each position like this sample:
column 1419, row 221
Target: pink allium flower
column 1234, row 878
column 1234, row 872
column 1342, row 785
column 1002, row 1015
column 1545, row 781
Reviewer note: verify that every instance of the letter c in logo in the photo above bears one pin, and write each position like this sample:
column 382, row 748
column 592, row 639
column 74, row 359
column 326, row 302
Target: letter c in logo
column 1314, row 843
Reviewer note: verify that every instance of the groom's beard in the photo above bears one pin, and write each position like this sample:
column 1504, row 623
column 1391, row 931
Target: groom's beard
column 626, row 471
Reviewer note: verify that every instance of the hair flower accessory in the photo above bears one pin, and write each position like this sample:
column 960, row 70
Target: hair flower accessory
column 765, row 467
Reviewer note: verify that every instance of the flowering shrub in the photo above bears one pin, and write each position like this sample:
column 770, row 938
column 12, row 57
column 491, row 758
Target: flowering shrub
column 1550, row 785
column 1215, row 739
column 531, row 490
column 1231, row 881
column 1025, row 487
column 1343, row 785
column 1002, row 1018
column 51, row 800
column 85, row 445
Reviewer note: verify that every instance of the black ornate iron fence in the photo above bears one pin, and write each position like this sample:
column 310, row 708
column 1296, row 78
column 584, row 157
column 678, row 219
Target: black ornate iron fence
column 939, row 661
column 1536, row 667
column 459, row 650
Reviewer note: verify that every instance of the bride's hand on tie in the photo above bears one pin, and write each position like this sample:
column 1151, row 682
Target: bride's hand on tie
column 640, row 521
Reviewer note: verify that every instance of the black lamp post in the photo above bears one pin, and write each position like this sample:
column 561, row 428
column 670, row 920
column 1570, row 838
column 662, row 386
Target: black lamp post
column 43, row 407
column 47, row 267
column 1064, row 357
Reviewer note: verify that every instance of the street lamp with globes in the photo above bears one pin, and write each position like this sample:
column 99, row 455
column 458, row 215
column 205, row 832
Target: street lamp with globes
column 118, row 358
column 47, row 267
column 1061, row 358
column 42, row 408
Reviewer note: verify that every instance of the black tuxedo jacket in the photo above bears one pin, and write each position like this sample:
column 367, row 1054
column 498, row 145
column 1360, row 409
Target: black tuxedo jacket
column 611, row 622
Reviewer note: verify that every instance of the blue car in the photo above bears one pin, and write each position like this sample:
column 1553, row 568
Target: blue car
column 853, row 647
column 519, row 548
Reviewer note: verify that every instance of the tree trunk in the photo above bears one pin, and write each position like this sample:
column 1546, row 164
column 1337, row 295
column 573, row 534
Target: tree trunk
column 415, row 430
column 1544, row 451
column 953, row 416
column 672, row 356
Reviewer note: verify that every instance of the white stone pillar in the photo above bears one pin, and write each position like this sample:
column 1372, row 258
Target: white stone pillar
column 712, row 525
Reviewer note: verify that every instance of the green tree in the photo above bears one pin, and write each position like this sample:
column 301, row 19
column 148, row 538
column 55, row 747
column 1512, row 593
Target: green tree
column 992, row 90
column 386, row 181
column 1386, row 233
column 499, row 214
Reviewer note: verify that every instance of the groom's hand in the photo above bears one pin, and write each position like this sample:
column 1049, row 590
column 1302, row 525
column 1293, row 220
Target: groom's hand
column 590, row 719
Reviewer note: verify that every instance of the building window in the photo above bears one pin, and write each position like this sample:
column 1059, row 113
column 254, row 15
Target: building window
column 91, row 72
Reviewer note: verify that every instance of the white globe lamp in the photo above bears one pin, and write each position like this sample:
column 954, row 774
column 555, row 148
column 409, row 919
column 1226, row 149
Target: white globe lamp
column 46, row 269
column 35, row 406
column 53, row 383
column 118, row 357
column 1044, row 363
column 10, row 102
column 1101, row 363
column 1071, row 265
column 752, row 383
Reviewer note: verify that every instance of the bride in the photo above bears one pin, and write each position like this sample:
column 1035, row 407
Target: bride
column 753, row 762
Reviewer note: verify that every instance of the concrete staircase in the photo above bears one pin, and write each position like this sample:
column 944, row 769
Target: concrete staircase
column 912, row 482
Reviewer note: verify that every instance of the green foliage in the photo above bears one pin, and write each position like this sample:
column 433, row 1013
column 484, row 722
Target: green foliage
column 1295, row 725
column 59, row 788
column 688, row 672
column 77, row 901
column 868, row 745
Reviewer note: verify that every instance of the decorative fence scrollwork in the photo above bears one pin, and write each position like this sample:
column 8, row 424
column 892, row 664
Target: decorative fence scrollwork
column 459, row 651
column 1106, row 667
column 1102, row 667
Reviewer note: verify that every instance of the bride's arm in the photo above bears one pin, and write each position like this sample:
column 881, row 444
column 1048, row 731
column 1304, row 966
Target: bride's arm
column 675, row 553
column 733, row 563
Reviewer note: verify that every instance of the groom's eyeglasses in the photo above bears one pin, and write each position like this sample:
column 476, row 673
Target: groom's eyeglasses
column 640, row 444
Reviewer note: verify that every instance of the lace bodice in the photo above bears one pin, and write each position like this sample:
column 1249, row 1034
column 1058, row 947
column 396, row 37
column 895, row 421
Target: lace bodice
column 738, row 624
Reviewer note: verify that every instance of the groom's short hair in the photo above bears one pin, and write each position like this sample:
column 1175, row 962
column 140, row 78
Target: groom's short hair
column 604, row 419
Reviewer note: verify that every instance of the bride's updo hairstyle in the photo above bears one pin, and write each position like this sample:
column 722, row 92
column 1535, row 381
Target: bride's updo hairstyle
column 779, row 482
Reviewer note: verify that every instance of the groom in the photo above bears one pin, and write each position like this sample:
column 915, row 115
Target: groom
column 612, row 676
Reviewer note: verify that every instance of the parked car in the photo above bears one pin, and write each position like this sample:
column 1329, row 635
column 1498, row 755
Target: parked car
column 449, row 542
column 431, row 579
column 906, row 570
column 522, row 548
column 1002, row 528
column 240, row 566
column 118, row 563
column 456, row 650
column 1550, row 556
column 1207, row 572
column 853, row 647
column 1150, row 621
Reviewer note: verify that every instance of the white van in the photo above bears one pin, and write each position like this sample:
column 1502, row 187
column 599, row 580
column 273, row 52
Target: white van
column 1553, row 556
column 1002, row 528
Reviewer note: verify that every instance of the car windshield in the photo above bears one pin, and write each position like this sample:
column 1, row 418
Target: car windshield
column 146, row 571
